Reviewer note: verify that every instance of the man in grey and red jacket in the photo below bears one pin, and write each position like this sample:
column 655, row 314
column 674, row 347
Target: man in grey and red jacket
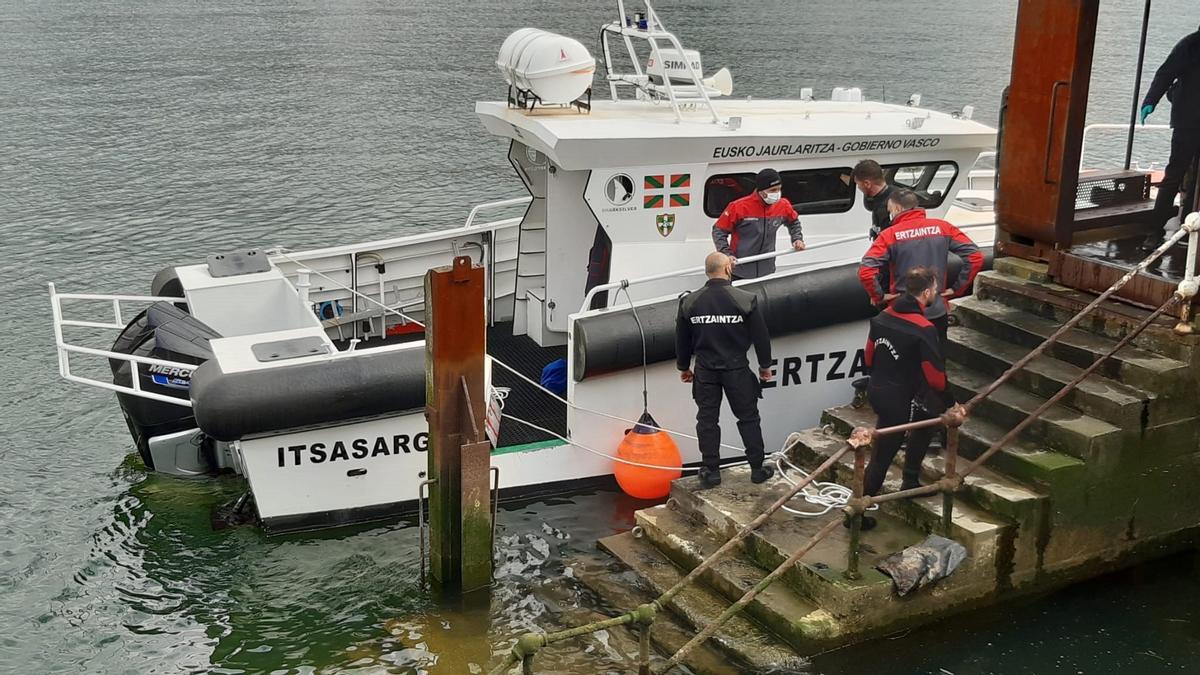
column 916, row 240
column 747, row 226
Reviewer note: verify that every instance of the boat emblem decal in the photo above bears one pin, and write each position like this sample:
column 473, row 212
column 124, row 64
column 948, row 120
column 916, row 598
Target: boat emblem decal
column 619, row 189
column 172, row 382
column 665, row 222
column 535, row 158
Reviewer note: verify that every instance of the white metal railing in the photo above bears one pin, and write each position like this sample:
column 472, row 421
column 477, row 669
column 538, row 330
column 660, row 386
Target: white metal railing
column 374, row 250
column 65, row 349
column 991, row 154
column 976, row 175
column 491, row 206
column 1189, row 286
column 654, row 32
column 690, row 271
column 1110, row 127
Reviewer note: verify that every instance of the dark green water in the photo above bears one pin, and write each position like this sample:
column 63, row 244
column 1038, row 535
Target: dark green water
column 138, row 134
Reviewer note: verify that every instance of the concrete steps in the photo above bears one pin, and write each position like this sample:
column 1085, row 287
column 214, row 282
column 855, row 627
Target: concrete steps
column 997, row 493
column 1136, row 367
column 987, row 496
column 1074, row 494
column 1059, row 304
column 819, row 577
column 1022, row 461
column 1020, row 268
column 976, row 529
column 688, row 543
column 1060, row 428
column 621, row 589
column 741, row 639
column 1099, row 396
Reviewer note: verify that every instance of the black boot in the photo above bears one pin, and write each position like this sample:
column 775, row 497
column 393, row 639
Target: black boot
column 938, row 441
column 710, row 478
column 760, row 474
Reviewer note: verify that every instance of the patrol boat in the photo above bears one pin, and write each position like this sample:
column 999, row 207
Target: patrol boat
column 303, row 371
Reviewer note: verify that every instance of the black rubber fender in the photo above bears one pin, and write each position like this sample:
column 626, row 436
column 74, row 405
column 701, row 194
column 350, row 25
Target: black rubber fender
column 231, row 406
column 609, row 341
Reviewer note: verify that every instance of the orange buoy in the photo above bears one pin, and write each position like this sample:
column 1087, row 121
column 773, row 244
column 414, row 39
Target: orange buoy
column 646, row 445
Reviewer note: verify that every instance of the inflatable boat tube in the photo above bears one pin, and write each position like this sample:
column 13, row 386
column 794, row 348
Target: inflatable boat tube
column 609, row 341
column 231, row 406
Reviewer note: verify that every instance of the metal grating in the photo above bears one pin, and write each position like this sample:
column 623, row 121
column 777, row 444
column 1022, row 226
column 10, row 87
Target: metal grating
column 525, row 401
column 1111, row 189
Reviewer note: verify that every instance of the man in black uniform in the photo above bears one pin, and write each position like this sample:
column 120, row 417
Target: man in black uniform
column 1179, row 79
column 908, row 379
column 868, row 176
column 717, row 324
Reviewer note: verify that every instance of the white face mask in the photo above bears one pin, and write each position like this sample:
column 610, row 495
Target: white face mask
column 771, row 197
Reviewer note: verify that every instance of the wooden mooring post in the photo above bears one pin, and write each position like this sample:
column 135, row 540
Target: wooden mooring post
column 460, row 522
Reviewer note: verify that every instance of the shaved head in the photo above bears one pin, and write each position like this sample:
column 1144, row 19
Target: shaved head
column 716, row 265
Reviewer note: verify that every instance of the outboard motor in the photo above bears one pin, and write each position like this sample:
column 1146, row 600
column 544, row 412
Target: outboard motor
column 164, row 431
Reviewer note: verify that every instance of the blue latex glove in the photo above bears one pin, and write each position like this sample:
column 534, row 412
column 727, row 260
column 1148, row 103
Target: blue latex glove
column 1146, row 110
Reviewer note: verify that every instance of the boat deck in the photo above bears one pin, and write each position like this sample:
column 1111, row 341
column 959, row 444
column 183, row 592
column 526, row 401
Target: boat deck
column 524, row 401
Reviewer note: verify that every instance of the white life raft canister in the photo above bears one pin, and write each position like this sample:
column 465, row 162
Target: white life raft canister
column 556, row 68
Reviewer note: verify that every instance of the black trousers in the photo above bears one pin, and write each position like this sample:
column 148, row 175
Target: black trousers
column 742, row 388
column 1185, row 146
column 895, row 405
column 942, row 324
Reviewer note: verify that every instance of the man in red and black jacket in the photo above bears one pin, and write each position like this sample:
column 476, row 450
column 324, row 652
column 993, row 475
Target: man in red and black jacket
column 915, row 240
column 748, row 225
column 908, row 379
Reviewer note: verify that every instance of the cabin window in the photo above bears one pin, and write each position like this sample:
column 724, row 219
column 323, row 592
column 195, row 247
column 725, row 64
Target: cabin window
column 809, row 190
column 931, row 180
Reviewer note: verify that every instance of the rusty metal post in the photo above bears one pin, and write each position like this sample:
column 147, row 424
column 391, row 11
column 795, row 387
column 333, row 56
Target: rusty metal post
column 860, row 474
column 950, row 477
column 460, row 555
column 644, row 650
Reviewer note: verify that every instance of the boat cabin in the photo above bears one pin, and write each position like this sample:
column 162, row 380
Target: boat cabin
column 625, row 190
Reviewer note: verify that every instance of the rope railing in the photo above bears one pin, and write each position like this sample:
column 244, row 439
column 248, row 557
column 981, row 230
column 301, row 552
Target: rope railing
column 860, row 442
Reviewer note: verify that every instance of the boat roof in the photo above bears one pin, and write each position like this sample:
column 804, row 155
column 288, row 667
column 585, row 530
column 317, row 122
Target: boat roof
column 640, row 132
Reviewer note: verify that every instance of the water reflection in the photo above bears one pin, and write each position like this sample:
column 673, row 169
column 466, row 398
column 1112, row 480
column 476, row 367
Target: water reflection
column 348, row 600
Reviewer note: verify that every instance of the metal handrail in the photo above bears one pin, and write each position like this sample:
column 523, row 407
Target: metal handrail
column 689, row 271
column 1108, row 126
column 65, row 349
column 859, row 442
column 489, row 206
